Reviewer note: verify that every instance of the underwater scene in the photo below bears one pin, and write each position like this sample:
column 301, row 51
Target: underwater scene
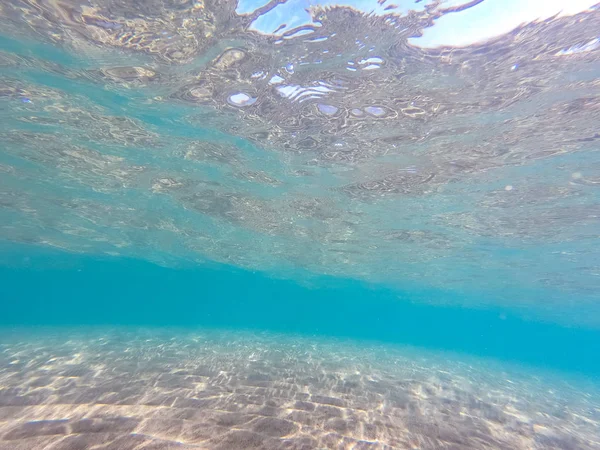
column 299, row 224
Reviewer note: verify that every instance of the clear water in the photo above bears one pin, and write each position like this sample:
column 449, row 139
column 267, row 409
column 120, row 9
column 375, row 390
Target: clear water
column 299, row 224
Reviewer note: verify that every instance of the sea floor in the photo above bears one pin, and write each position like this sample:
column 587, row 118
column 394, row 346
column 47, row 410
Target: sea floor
column 155, row 389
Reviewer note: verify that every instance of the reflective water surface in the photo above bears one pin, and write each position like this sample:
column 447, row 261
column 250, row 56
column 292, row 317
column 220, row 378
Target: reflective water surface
column 348, row 142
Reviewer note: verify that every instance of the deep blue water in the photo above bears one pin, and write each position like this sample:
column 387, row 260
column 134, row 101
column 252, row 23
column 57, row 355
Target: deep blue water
column 89, row 291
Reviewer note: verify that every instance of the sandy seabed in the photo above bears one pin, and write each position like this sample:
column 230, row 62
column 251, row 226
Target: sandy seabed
column 143, row 389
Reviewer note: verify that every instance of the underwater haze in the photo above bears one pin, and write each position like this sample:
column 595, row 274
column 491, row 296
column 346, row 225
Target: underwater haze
column 299, row 224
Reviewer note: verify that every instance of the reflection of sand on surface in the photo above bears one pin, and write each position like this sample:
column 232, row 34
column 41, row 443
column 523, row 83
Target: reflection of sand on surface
column 347, row 151
column 163, row 390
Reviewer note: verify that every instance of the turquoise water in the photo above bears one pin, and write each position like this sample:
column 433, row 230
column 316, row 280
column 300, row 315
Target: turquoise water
column 135, row 293
column 299, row 224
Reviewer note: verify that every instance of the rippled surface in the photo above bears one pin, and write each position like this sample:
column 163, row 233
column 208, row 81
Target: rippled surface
column 173, row 389
column 342, row 143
